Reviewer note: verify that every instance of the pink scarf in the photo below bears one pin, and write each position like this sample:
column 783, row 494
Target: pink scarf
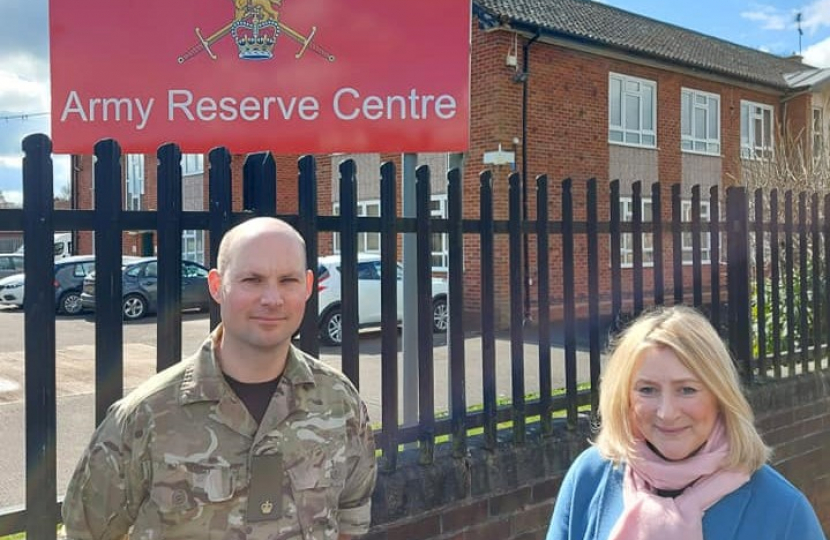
column 648, row 516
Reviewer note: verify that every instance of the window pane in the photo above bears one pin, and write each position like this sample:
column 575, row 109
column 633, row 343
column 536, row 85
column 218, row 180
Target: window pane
column 632, row 138
column 632, row 86
column 648, row 140
column 714, row 112
column 648, row 107
column 632, row 112
column 685, row 114
column 700, row 123
column 745, row 135
column 615, row 135
column 614, row 103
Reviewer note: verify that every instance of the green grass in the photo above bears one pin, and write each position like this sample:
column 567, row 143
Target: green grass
column 501, row 402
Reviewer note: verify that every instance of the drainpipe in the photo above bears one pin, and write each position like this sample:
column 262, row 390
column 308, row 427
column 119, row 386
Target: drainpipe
column 525, row 241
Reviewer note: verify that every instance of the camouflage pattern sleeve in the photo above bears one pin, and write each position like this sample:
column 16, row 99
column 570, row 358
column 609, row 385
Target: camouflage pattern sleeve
column 355, row 510
column 109, row 483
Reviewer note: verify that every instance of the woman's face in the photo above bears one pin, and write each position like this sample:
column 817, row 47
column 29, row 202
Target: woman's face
column 670, row 407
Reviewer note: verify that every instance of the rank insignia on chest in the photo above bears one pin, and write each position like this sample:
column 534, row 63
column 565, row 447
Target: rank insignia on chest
column 265, row 488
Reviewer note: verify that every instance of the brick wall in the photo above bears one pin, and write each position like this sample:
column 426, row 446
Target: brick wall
column 508, row 494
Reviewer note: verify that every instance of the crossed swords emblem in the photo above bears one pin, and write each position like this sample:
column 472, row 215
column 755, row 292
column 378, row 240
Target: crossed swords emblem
column 205, row 43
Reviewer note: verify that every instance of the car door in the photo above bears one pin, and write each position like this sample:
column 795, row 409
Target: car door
column 368, row 292
column 148, row 282
column 194, row 285
column 7, row 267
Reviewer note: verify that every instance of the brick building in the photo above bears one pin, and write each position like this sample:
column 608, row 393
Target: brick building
column 575, row 89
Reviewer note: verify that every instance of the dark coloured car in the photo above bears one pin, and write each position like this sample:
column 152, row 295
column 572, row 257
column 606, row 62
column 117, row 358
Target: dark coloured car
column 69, row 280
column 140, row 288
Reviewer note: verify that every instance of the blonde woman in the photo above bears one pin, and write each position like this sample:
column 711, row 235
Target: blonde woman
column 677, row 455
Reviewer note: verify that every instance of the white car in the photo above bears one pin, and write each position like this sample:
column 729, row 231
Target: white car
column 368, row 294
column 12, row 290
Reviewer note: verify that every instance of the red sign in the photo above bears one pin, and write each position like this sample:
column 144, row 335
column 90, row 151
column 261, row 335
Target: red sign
column 289, row 76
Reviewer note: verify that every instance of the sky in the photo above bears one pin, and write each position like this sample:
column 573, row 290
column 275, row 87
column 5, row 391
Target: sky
column 24, row 57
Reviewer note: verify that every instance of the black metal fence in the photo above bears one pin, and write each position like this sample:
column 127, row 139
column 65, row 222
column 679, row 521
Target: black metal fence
column 776, row 323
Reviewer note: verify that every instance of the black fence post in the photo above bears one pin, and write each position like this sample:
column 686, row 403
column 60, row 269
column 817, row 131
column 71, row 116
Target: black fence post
column 169, row 329
column 657, row 242
column 714, row 256
column 349, row 345
column 426, row 364
column 39, row 339
column 307, row 226
column 594, row 293
column 389, row 315
column 637, row 245
column 109, row 328
column 488, row 308
column 516, row 314
column 569, row 301
column 543, row 292
column 220, row 209
column 760, row 278
column 738, row 272
column 455, row 212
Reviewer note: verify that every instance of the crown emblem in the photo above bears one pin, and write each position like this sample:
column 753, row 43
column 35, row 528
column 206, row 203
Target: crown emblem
column 255, row 40
column 267, row 507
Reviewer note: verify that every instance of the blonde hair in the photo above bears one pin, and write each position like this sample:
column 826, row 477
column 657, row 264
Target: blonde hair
column 697, row 345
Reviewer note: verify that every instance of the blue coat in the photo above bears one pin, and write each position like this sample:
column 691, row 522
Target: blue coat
column 767, row 507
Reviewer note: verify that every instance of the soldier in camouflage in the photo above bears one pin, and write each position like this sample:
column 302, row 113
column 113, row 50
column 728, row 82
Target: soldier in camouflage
column 250, row 438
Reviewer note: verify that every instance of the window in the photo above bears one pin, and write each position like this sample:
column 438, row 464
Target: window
column 627, row 239
column 699, row 122
column 193, row 164
column 440, row 250
column 632, row 111
column 193, row 271
column 135, row 181
column 366, row 242
column 818, row 132
column 193, row 246
column 686, row 237
column 756, row 130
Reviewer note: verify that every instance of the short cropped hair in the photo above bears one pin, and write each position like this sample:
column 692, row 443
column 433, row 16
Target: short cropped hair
column 253, row 226
column 697, row 345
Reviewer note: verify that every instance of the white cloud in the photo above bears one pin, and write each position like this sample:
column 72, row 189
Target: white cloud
column 816, row 15
column 818, row 54
column 770, row 18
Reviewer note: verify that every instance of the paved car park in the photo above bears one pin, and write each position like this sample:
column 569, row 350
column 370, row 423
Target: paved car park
column 75, row 339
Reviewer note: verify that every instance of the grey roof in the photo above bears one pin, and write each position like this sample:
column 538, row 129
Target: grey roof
column 599, row 24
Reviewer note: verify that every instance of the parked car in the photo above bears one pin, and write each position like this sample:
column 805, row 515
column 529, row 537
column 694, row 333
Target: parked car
column 368, row 293
column 10, row 264
column 69, row 279
column 139, row 282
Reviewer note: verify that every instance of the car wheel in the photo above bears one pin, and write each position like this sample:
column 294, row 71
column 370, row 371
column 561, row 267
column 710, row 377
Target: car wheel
column 331, row 327
column 134, row 307
column 440, row 315
column 70, row 303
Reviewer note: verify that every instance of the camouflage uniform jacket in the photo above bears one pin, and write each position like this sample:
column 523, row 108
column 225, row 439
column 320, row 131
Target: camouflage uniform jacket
column 173, row 459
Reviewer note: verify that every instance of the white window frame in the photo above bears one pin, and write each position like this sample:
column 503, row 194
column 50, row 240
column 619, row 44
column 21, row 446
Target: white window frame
column 193, row 246
column 134, row 184
column 694, row 137
column 705, row 238
column 627, row 239
column 367, row 242
column 193, row 164
column 440, row 257
column 628, row 127
column 756, row 145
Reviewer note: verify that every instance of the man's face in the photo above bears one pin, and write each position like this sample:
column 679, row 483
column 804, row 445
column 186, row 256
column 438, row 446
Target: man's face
column 263, row 290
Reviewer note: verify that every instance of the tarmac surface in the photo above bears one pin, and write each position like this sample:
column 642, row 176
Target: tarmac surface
column 75, row 353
